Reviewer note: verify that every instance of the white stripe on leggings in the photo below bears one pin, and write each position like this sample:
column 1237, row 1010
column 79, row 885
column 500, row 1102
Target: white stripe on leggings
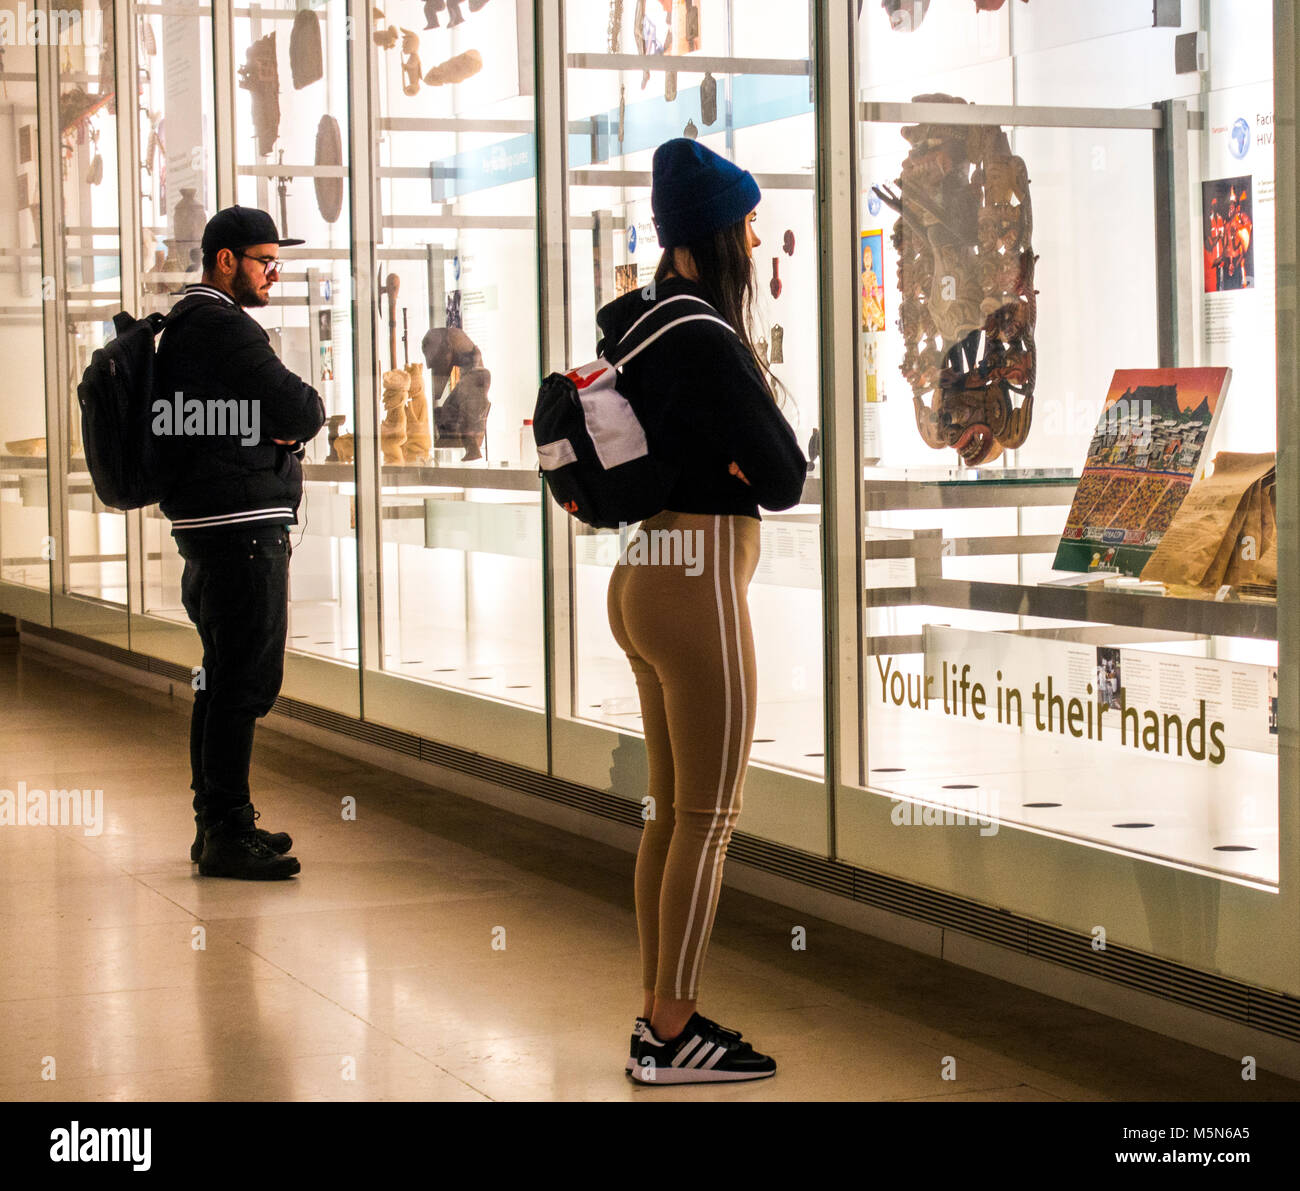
column 722, row 777
column 715, row 881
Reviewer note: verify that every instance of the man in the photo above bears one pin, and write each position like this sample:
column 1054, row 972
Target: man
column 242, row 421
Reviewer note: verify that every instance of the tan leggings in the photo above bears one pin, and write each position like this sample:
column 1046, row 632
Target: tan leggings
column 679, row 612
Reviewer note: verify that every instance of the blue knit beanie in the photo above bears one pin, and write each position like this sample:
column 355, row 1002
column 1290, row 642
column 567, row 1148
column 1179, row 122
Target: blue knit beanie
column 696, row 193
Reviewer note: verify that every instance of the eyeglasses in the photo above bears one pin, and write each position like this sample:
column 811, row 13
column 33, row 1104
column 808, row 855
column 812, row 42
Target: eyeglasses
column 271, row 265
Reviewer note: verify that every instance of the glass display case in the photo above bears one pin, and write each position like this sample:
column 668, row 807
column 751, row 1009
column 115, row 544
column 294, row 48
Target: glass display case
column 25, row 553
column 454, row 224
column 1067, row 302
column 291, row 159
column 90, row 539
column 176, row 195
column 639, row 74
column 1025, row 278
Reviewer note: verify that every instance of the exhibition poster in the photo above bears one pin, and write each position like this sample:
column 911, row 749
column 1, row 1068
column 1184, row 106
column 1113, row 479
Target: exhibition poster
column 1147, row 448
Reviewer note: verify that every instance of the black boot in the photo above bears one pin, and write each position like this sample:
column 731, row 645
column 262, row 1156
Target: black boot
column 231, row 848
column 278, row 841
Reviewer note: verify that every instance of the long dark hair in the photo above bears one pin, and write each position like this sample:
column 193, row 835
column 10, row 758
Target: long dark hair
column 726, row 275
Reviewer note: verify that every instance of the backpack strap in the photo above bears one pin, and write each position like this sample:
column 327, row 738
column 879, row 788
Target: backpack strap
column 184, row 306
column 658, row 321
column 160, row 322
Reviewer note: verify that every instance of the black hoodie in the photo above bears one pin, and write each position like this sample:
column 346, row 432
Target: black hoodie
column 702, row 399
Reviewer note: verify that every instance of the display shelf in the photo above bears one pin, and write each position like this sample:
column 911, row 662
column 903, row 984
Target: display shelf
column 1136, row 119
column 689, row 64
column 513, row 479
column 175, row 10
column 1030, row 492
column 629, row 179
column 1207, row 617
column 257, row 12
column 453, row 124
column 489, row 223
column 24, row 463
column 516, row 479
column 294, row 171
column 966, row 547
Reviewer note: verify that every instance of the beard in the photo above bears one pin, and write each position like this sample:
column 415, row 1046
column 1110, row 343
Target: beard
column 245, row 292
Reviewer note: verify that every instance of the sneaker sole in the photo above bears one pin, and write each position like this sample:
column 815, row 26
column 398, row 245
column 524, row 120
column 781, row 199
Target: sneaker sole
column 267, row 876
column 195, row 853
column 677, row 1076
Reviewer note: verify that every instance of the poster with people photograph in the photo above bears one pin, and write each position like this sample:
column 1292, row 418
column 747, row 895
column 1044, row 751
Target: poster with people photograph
column 1108, row 678
column 1153, row 433
column 1228, row 241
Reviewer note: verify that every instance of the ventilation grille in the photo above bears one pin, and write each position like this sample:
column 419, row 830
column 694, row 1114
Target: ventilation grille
column 171, row 670
column 1268, row 1012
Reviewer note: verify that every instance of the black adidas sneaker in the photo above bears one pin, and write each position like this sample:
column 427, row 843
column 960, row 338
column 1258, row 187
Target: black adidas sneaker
column 704, row 1052
column 642, row 1023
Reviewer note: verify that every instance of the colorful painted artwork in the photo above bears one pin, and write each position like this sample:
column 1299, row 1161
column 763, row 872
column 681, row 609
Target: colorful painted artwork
column 871, row 270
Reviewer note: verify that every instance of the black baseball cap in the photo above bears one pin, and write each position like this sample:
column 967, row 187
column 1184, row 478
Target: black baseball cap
column 238, row 227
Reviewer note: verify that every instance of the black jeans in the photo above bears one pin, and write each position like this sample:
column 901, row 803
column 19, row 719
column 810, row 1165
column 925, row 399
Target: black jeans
column 236, row 590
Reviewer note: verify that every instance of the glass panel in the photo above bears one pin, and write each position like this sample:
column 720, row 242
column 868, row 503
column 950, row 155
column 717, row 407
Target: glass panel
column 754, row 108
column 95, row 565
column 457, row 352
column 291, row 160
column 1047, row 311
column 24, row 493
column 177, row 196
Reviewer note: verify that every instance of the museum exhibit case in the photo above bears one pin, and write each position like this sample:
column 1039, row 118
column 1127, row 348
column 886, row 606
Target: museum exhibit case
column 453, row 224
column 1069, row 626
column 1026, row 279
column 24, row 470
column 638, row 74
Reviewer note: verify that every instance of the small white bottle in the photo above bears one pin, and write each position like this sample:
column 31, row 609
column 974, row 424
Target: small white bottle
column 527, row 446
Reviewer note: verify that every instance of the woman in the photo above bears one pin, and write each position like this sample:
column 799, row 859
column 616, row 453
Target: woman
column 683, row 620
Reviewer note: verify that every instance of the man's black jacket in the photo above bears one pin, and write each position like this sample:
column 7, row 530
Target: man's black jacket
column 217, row 354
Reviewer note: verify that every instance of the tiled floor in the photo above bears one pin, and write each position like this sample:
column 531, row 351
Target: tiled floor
column 373, row 974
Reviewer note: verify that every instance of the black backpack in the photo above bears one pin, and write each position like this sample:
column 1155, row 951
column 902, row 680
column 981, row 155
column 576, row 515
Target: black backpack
column 116, row 395
column 591, row 443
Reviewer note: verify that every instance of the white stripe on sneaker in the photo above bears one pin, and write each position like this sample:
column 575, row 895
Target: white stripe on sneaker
column 714, row 1057
column 680, row 1058
column 700, row 1055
